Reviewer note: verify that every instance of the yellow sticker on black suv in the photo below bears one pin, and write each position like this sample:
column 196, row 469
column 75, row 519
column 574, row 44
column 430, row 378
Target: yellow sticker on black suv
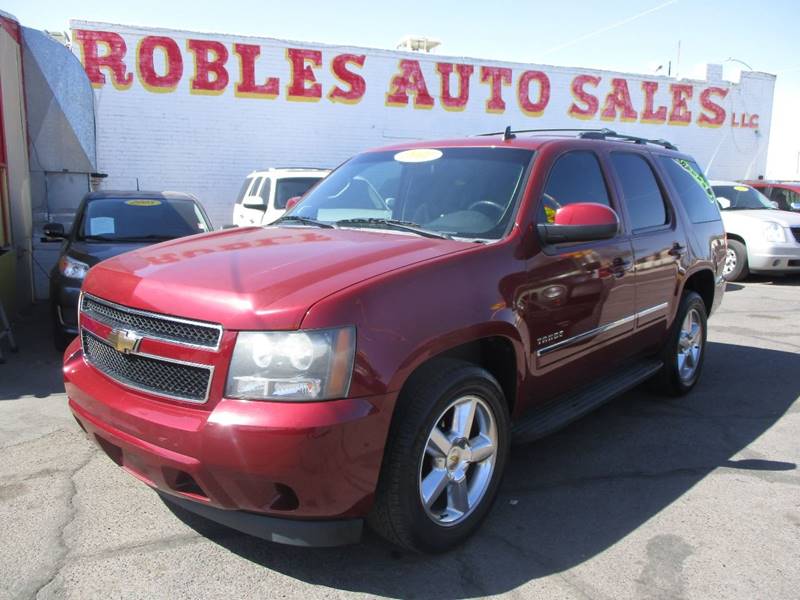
column 143, row 202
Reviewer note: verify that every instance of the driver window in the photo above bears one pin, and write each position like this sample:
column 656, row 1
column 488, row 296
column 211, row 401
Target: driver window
column 575, row 177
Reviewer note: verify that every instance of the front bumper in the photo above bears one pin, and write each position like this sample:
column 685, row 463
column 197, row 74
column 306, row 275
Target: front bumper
column 250, row 465
column 784, row 258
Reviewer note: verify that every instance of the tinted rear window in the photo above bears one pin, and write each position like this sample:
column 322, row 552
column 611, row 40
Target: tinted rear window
column 694, row 191
column 640, row 190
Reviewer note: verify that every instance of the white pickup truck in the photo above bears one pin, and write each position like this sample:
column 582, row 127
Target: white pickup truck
column 264, row 194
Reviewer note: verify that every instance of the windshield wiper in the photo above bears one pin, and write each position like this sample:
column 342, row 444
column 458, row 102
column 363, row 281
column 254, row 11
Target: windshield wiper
column 396, row 225
column 304, row 221
column 98, row 238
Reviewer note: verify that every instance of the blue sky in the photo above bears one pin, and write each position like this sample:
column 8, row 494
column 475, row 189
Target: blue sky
column 626, row 35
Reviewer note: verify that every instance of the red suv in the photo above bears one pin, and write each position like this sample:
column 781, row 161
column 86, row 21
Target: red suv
column 373, row 354
column 785, row 194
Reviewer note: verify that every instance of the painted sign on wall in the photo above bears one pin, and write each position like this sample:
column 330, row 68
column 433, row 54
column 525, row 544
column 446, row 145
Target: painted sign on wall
column 197, row 112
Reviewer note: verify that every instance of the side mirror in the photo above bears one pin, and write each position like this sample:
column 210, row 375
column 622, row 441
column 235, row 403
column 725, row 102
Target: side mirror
column 254, row 202
column 292, row 202
column 795, row 205
column 54, row 231
column 774, row 204
column 580, row 222
column 723, row 202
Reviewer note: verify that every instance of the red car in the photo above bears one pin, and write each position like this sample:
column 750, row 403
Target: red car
column 372, row 355
column 786, row 194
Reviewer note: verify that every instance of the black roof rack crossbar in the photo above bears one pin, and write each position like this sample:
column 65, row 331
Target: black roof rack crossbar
column 590, row 134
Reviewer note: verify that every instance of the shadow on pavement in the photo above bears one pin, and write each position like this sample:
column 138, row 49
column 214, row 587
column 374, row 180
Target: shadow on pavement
column 778, row 280
column 36, row 369
column 572, row 495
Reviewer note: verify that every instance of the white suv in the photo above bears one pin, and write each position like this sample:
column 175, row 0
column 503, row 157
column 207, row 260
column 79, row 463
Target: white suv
column 263, row 196
column 761, row 238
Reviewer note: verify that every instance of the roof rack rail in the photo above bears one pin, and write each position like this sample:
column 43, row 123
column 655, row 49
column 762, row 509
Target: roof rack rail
column 589, row 134
column 298, row 169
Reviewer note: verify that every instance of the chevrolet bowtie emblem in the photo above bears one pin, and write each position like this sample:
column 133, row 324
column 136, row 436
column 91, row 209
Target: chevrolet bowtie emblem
column 124, row 341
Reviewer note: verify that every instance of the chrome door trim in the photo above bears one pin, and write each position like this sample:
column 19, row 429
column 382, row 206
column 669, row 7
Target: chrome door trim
column 598, row 330
column 582, row 336
column 652, row 309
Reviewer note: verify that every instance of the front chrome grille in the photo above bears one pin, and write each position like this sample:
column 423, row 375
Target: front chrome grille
column 152, row 325
column 163, row 377
column 796, row 232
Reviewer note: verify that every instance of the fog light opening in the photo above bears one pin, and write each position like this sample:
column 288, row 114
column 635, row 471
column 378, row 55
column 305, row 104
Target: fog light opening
column 285, row 498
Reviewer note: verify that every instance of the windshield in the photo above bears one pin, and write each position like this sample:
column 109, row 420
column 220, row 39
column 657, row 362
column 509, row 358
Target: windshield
column 740, row 197
column 140, row 219
column 291, row 187
column 461, row 192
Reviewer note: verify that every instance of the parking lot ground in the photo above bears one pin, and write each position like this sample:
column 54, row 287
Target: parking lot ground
column 697, row 497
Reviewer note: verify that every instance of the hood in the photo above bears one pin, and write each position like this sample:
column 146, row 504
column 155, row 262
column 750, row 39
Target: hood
column 255, row 278
column 784, row 217
column 93, row 252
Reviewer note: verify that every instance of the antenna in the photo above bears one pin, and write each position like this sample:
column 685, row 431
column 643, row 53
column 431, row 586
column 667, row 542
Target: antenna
column 137, row 185
column 508, row 134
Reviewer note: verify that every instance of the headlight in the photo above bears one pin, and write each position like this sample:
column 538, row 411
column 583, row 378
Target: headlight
column 74, row 269
column 292, row 365
column 773, row 232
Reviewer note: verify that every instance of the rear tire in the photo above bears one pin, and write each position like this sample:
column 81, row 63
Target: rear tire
column 442, row 467
column 735, row 268
column 684, row 352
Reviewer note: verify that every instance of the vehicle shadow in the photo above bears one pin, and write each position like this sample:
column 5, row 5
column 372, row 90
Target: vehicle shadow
column 35, row 370
column 779, row 280
column 574, row 494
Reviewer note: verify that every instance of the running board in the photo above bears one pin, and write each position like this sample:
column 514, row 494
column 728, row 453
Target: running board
column 561, row 411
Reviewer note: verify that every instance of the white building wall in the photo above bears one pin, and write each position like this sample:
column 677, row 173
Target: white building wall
column 206, row 144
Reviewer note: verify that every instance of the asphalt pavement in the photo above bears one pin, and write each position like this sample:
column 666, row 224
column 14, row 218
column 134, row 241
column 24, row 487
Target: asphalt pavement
column 645, row 498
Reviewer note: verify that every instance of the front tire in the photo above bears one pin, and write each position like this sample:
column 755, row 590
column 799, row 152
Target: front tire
column 735, row 268
column 444, row 458
column 684, row 352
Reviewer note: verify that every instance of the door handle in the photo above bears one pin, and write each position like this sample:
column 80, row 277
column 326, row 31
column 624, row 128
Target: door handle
column 619, row 265
column 677, row 250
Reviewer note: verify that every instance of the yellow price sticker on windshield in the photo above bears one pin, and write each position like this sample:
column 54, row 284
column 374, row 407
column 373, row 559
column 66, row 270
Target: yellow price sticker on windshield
column 143, row 202
column 741, row 188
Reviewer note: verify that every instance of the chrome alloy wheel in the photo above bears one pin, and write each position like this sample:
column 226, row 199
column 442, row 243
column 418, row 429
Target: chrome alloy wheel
column 730, row 262
column 690, row 345
column 459, row 460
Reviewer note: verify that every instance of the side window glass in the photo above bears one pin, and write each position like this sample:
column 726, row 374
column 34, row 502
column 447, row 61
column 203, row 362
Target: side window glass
column 575, row 177
column 264, row 192
column 783, row 197
column 244, row 190
column 640, row 190
column 253, row 189
column 694, row 191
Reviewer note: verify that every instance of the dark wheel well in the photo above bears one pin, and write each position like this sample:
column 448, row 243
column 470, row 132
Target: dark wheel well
column 495, row 354
column 733, row 236
column 702, row 282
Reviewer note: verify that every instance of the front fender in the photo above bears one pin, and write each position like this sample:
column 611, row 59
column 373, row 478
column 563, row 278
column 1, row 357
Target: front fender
column 406, row 317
